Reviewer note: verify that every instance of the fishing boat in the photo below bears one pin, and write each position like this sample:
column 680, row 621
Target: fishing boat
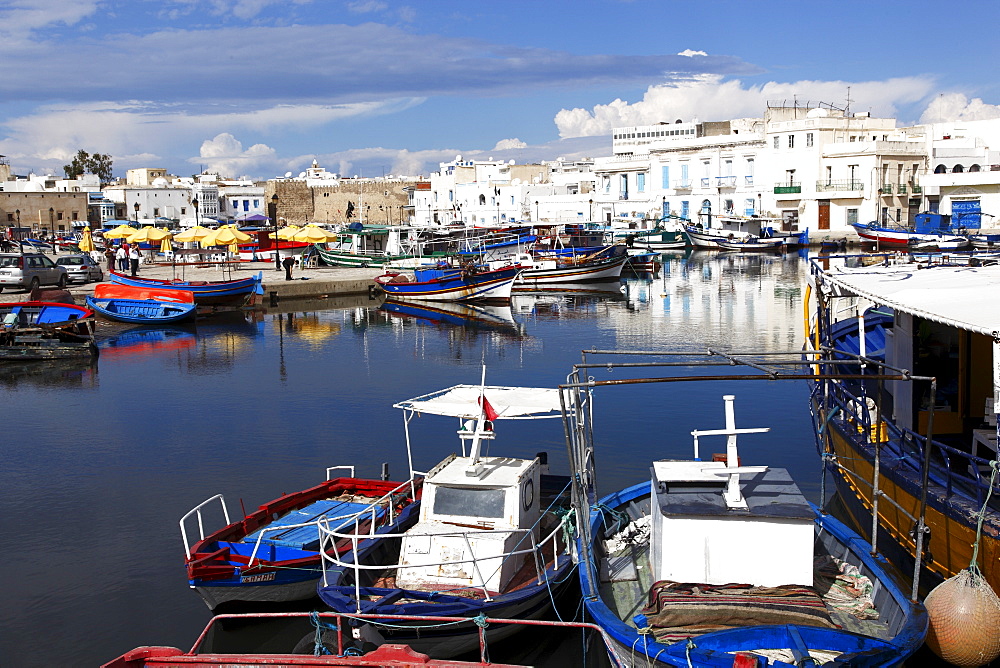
column 911, row 430
column 604, row 265
column 257, row 639
column 39, row 330
column 749, row 244
column 985, row 241
column 444, row 282
column 371, row 246
column 274, row 553
column 489, row 542
column 715, row 561
column 739, row 228
column 897, row 237
column 205, row 292
column 117, row 291
column 141, row 311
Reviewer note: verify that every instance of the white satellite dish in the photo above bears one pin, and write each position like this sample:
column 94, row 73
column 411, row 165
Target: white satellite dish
column 288, row 175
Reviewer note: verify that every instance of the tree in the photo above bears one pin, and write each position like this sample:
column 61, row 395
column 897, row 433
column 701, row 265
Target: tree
column 84, row 163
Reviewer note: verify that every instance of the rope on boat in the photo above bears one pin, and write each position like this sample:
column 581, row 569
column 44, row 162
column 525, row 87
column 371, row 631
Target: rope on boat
column 974, row 565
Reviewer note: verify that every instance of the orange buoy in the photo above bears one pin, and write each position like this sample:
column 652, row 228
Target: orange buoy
column 964, row 614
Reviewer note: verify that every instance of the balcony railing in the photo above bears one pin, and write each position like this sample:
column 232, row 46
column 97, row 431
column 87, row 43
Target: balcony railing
column 901, row 189
column 725, row 181
column 748, row 181
column 706, row 182
column 886, row 189
column 917, row 189
column 682, row 184
column 787, row 188
column 849, row 184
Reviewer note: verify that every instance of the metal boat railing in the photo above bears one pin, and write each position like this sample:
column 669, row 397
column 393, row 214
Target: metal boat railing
column 343, row 624
column 197, row 511
column 331, row 559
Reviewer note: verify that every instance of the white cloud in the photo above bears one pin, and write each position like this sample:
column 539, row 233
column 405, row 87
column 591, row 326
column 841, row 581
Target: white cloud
column 224, row 154
column 505, row 144
column 18, row 18
column 366, row 6
column 241, row 9
column 710, row 97
column 957, row 107
column 49, row 137
column 691, row 52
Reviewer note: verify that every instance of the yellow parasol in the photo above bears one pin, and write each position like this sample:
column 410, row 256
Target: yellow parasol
column 166, row 246
column 120, row 232
column 286, row 232
column 149, row 234
column 86, row 241
column 313, row 234
column 196, row 233
column 224, row 236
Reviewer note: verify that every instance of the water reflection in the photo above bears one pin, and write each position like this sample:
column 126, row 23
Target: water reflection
column 70, row 373
column 445, row 314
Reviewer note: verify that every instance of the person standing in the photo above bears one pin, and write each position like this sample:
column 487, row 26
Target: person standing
column 109, row 254
column 288, row 263
column 122, row 258
column 133, row 258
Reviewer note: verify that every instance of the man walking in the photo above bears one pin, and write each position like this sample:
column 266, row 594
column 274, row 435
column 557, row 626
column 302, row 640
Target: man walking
column 122, row 258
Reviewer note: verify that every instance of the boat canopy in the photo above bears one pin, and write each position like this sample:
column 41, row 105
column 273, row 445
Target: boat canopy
column 509, row 403
column 959, row 296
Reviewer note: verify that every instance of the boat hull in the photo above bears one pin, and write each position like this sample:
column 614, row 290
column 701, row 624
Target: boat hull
column 454, row 286
column 601, row 270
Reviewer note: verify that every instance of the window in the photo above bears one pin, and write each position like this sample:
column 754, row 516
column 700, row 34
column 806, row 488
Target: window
column 59, row 215
column 640, row 182
column 665, row 177
column 790, row 176
column 809, row 139
column 623, row 185
column 748, row 207
column 468, row 502
column 852, row 216
column 451, row 195
column 791, row 141
column 685, row 209
column 183, row 210
column 829, row 175
column 777, row 139
column 750, row 166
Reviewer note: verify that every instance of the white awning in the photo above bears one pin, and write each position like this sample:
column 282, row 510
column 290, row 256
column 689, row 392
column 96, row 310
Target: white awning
column 959, row 296
column 462, row 401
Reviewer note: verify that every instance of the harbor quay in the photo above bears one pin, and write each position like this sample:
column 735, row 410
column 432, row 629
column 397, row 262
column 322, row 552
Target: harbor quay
column 306, row 283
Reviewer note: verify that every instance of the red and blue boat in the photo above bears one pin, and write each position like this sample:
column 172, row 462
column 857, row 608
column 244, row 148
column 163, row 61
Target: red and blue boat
column 205, row 292
column 274, row 553
column 450, row 284
column 142, row 311
column 37, row 330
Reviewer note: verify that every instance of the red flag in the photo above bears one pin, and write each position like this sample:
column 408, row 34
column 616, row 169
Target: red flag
column 488, row 411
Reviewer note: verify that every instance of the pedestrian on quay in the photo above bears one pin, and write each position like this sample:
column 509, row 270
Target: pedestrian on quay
column 288, row 263
column 109, row 253
column 133, row 258
column 122, row 258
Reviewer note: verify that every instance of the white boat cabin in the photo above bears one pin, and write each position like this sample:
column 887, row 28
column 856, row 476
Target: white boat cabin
column 717, row 522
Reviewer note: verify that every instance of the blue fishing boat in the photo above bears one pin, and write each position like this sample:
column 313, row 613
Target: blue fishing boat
column 142, row 311
column 714, row 562
column 38, row 330
column 490, row 540
column 443, row 282
column 457, row 314
column 205, row 292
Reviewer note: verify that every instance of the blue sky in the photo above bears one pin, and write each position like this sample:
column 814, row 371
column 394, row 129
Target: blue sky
column 262, row 87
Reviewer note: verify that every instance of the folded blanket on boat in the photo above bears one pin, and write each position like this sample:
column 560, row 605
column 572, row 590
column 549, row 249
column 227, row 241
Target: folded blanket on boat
column 679, row 610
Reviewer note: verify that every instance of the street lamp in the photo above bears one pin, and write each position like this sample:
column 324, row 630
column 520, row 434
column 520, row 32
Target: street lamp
column 590, row 218
column 194, row 203
column 17, row 216
column 536, row 211
column 274, row 216
column 136, row 207
column 52, row 229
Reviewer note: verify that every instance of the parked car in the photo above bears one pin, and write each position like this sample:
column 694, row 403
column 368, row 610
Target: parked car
column 81, row 268
column 29, row 271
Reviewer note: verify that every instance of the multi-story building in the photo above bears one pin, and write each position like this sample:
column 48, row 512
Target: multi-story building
column 963, row 176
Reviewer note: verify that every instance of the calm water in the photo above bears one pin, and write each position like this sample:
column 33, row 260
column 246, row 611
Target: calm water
column 101, row 462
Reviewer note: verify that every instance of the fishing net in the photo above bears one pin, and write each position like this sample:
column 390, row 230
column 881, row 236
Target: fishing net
column 964, row 614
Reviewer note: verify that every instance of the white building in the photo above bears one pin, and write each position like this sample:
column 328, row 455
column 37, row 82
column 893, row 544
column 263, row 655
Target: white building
column 963, row 176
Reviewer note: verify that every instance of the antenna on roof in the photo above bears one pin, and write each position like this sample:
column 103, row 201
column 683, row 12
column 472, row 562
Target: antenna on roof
column 847, row 112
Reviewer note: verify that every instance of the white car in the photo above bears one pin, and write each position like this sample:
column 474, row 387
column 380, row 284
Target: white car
column 81, row 268
column 30, row 270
